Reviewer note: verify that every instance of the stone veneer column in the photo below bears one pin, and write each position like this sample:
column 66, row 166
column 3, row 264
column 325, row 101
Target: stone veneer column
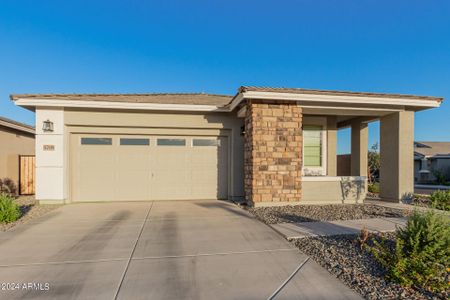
column 273, row 152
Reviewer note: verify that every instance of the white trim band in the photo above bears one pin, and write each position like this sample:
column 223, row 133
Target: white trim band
column 339, row 99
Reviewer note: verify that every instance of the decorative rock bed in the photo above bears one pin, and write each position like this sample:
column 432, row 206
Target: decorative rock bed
column 357, row 268
column 29, row 209
column 332, row 212
column 341, row 254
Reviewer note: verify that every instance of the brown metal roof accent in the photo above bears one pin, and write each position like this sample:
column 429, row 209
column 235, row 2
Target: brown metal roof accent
column 243, row 89
column 168, row 98
column 435, row 149
column 16, row 125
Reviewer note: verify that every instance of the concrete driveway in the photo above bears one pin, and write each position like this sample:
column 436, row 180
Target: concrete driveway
column 156, row 250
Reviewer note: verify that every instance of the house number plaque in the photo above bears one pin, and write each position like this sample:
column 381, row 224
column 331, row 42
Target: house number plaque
column 49, row 147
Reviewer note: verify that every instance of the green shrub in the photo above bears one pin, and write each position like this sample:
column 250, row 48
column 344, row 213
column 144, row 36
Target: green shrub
column 440, row 199
column 374, row 188
column 440, row 177
column 421, row 254
column 9, row 210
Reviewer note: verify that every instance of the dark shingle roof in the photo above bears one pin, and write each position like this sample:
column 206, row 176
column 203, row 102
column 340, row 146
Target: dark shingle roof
column 333, row 93
column 179, row 98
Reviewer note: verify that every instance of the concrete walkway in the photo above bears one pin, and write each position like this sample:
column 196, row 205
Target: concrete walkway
column 157, row 250
column 432, row 187
column 308, row 229
column 403, row 206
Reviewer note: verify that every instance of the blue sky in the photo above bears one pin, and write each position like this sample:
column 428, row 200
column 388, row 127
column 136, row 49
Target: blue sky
column 216, row 46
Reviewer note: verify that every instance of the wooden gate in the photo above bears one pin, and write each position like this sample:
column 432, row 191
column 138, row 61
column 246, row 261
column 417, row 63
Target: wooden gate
column 27, row 174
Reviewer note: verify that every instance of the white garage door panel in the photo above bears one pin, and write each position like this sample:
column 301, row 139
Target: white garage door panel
column 96, row 183
column 149, row 172
column 170, row 173
column 206, row 170
column 132, row 173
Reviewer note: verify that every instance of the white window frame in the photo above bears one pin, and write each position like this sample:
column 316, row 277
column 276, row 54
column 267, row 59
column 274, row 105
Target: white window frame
column 322, row 170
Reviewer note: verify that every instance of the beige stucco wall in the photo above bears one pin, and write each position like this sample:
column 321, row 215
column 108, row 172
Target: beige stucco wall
column 197, row 124
column 334, row 190
column 168, row 123
column 12, row 144
column 442, row 165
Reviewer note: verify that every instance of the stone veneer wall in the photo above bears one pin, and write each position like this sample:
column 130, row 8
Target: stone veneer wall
column 272, row 152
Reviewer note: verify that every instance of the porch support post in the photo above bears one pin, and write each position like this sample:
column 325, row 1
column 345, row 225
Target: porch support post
column 397, row 156
column 359, row 148
column 331, row 145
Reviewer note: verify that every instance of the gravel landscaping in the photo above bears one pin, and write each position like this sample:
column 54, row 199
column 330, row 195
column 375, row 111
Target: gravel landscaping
column 29, row 209
column 357, row 268
column 332, row 212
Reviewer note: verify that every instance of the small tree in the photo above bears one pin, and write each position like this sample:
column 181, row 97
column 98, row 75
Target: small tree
column 420, row 255
column 373, row 162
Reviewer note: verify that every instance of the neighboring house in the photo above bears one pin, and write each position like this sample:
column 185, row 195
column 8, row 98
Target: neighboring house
column 430, row 159
column 16, row 139
column 267, row 146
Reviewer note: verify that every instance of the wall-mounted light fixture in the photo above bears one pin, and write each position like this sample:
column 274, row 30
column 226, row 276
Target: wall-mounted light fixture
column 47, row 126
column 242, row 130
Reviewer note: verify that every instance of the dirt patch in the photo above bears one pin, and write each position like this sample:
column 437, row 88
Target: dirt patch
column 29, row 209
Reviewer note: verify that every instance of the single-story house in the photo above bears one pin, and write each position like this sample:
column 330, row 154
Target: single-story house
column 265, row 146
column 16, row 139
column 431, row 159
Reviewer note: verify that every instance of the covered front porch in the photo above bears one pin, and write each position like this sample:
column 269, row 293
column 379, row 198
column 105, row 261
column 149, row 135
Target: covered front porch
column 291, row 144
column 334, row 181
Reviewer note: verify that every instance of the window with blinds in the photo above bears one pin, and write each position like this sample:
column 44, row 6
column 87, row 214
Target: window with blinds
column 312, row 146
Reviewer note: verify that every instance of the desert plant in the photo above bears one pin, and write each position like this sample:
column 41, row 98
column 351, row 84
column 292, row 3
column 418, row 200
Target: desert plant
column 421, row 254
column 9, row 210
column 363, row 238
column 7, row 186
column 373, row 163
column 374, row 188
column 440, row 199
column 440, row 177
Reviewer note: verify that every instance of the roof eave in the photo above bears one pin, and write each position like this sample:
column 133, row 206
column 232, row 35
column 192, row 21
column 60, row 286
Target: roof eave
column 29, row 103
column 243, row 89
column 17, row 127
column 414, row 103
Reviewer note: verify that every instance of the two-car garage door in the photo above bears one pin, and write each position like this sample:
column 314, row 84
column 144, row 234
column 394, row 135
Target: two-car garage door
column 130, row 167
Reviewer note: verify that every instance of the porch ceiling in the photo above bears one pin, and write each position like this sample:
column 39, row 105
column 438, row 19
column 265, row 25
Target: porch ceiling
column 348, row 110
